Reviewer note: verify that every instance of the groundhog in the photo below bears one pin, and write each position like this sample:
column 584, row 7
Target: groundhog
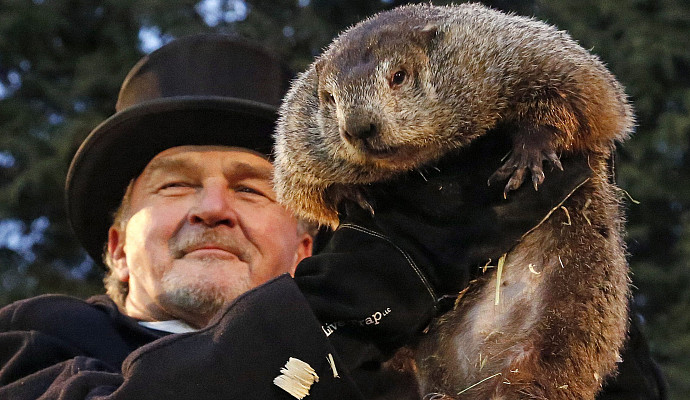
column 406, row 87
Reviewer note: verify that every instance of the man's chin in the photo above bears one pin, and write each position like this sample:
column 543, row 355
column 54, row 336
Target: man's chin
column 201, row 297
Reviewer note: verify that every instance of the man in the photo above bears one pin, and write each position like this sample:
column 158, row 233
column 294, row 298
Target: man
column 193, row 246
column 198, row 226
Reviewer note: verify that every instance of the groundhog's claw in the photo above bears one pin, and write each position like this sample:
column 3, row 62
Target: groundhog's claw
column 532, row 145
column 555, row 160
column 517, row 165
column 537, row 178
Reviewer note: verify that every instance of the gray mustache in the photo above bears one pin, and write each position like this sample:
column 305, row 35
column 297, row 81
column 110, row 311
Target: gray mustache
column 186, row 240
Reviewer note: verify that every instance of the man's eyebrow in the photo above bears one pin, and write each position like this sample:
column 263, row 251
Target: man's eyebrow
column 168, row 164
column 238, row 169
column 246, row 170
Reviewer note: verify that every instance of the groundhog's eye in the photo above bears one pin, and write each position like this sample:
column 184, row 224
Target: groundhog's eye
column 328, row 97
column 398, row 78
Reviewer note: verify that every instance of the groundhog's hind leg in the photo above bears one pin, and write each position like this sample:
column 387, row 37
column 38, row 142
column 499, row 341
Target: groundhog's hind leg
column 532, row 145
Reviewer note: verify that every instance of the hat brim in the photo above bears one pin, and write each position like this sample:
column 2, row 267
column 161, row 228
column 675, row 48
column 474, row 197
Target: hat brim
column 118, row 149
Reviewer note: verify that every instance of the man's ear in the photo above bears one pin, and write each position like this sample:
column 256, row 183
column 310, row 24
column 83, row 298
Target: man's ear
column 116, row 248
column 304, row 250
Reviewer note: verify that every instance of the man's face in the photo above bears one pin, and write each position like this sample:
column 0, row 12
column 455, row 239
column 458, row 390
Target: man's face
column 204, row 227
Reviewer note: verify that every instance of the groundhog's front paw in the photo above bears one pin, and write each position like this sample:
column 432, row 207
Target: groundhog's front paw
column 531, row 147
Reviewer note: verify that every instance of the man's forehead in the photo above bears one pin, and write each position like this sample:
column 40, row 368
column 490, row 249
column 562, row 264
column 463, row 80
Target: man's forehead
column 206, row 148
column 194, row 156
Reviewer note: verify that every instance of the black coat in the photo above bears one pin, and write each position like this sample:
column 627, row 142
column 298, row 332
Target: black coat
column 60, row 347
column 57, row 347
column 64, row 348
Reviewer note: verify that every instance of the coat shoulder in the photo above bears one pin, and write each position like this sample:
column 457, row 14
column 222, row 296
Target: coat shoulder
column 46, row 312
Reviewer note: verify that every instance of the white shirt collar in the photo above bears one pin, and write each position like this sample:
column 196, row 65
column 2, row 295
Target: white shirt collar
column 171, row 326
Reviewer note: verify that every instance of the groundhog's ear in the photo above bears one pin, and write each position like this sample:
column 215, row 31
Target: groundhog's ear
column 318, row 66
column 425, row 34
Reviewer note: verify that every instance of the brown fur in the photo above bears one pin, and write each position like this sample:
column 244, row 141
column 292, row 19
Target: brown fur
column 559, row 325
column 349, row 120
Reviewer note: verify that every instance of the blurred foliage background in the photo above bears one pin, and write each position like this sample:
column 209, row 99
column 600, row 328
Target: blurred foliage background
column 62, row 62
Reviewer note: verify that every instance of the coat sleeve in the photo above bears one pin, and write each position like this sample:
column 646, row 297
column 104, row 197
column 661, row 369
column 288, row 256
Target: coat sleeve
column 238, row 356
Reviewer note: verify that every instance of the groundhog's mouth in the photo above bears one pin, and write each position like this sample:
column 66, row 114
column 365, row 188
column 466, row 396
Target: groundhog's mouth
column 375, row 149
column 394, row 156
column 380, row 152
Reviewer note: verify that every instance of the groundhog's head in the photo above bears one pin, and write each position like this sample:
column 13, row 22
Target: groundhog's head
column 370, row 107
column 365, row 110
column 377, row 97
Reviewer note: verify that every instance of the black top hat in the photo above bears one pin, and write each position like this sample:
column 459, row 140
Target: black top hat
column 205, row 89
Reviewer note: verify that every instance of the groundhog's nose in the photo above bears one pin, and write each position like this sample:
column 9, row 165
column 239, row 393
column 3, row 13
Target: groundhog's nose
column 361, row 131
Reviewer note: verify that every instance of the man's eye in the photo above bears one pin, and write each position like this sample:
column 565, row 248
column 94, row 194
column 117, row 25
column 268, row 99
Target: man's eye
column 247, row 189
column 174, row 186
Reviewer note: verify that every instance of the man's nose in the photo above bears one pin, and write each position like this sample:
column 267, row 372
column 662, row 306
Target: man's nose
column 214, row 206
